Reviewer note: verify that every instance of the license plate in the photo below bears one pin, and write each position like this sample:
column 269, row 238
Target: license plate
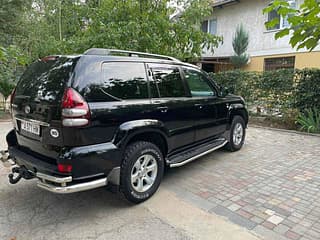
column 30, row 127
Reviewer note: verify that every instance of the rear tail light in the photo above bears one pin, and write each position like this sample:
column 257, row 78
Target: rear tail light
column 64, row 168
column 75, row 110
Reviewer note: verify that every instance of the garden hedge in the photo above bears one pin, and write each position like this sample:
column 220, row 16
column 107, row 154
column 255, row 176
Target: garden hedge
column 307, row 91
column 275, row 91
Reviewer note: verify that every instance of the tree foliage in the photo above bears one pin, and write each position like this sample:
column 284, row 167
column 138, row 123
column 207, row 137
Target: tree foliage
column 304, row 22
column 141, row 25
column 11, row 56
column 146, row 26
column 240, row 45
column 11, row 19
column 32, row 29
column 11, row 61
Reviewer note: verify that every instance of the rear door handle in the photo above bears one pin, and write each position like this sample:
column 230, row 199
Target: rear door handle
column 163, row 109
column 200, row 106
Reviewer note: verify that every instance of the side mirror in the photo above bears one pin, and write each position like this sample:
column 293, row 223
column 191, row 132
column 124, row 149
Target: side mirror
column 224, row 91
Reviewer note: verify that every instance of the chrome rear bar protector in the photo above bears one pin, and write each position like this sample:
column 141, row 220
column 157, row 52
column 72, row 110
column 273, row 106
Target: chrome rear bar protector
column 53, row 178
column 73, row 188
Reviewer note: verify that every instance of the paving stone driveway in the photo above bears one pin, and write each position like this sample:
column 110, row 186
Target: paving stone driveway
column 270, row 187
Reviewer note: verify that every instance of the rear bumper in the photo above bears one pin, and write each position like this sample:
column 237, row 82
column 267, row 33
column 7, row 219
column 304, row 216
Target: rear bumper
column 93, row 166
column 33, row 163
column 56, row 184
column 28, row 167
column 65, row 185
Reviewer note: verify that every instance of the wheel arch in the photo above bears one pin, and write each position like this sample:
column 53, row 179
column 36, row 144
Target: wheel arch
column 142, row 130
column 238, row 110
column 152, row 136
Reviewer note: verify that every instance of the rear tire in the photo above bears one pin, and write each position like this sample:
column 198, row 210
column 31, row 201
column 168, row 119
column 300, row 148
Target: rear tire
column 237, row 134
column 141, row 171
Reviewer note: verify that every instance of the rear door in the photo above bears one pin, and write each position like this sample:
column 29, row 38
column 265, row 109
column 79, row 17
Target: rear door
column 37, row 104
column 171, row 105
column 118, row 95
column 211, row 112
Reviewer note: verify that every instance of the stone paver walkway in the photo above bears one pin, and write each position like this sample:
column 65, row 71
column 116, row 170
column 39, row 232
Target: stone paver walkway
column 270, row 187
column 30, row 213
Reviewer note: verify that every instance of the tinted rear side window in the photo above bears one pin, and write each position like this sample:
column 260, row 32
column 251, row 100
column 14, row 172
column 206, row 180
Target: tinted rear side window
column 120, row 80
column 166, row 81
column 46, row 79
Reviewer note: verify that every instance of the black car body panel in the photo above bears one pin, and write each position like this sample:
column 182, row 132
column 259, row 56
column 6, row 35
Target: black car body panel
column 185, row 119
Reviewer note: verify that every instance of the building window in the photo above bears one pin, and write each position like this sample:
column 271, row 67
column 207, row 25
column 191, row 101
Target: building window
column 271, row 64
column 283, row 22
column 209, row 26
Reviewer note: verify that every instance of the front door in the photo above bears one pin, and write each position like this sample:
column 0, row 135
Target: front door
column 210, row 110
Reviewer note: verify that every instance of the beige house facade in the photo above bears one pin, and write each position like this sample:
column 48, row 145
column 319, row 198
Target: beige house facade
column 265, row 52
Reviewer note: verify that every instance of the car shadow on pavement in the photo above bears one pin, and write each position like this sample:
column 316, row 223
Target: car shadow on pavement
column 26, row 202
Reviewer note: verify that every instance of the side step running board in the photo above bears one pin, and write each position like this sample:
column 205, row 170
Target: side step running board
column 179, row 164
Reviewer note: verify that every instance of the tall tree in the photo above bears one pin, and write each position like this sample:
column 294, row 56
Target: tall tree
column 142, row 25
column 11, row 27
column 240, row 45
column 304, row 22
column 11, row 20
column 11, row 61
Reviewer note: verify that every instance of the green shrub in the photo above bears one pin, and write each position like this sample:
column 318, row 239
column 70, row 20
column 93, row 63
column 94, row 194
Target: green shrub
column 239, row 82
column 282, row 93
column 272, row 89
column 307, row 92
column 310, row 120
column 276, row 88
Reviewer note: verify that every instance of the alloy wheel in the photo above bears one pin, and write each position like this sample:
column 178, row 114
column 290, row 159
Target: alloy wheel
column 144, row 173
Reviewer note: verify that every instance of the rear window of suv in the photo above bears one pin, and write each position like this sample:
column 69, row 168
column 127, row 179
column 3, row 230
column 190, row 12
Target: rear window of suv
column 45, row 79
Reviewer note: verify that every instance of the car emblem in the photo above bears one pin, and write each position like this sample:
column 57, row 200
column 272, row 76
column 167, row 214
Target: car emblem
column 54, row 133
column 27, row 109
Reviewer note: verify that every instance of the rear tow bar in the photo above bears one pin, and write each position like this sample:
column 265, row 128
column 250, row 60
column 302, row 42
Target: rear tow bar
column 21, row 172
column 17, row 172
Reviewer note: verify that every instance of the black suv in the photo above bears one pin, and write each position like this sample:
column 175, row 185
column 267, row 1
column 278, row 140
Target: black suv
column 119, row 118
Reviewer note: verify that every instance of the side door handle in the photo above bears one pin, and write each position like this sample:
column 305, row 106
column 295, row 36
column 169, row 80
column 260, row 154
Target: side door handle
column 200, row 106
column 163, row 109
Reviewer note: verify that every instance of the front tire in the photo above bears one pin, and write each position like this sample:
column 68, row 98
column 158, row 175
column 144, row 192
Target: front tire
column 237, row 134
column 141, row 171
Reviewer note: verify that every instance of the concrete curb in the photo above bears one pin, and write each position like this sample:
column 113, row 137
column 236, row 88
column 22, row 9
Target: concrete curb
column 285, row 130
column 5, row 120
column 195, row 222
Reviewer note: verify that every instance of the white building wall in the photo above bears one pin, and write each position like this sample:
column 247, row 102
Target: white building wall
column 249, row 13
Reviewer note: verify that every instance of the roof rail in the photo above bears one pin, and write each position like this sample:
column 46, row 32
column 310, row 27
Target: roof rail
column 103, row 51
